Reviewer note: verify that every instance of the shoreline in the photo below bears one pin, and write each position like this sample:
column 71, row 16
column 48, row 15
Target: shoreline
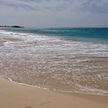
column 52, row 83
column 55, row 90
column 20, row 95
column 13, row 95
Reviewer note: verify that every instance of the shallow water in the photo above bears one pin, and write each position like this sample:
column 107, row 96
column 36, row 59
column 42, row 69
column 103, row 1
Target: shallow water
column 54, row 63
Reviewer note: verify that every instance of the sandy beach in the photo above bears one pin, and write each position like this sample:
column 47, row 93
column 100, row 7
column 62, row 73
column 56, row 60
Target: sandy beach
column 53, row 54
column 13, row 95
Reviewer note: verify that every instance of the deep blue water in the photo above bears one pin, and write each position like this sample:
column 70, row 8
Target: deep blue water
column 100, row 34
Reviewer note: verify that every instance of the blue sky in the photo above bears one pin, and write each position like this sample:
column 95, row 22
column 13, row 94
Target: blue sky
column 54, row 13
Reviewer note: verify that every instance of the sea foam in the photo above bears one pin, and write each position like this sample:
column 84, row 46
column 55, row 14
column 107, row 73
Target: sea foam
column 52, row 62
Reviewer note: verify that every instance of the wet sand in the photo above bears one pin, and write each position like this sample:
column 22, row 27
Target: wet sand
column 13, row 95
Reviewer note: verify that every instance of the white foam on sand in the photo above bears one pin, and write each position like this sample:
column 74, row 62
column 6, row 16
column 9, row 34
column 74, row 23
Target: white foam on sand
column 52, row 54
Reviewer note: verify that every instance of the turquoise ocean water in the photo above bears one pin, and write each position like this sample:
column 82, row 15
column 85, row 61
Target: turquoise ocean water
column 69, row 33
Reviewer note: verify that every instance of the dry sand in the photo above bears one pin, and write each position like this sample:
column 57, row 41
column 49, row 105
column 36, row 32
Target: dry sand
column 13, row 95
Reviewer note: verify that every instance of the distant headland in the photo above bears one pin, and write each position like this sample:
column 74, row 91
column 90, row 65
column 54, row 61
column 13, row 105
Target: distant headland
column 13, row 26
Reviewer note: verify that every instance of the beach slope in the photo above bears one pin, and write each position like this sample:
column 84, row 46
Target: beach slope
column 13, row 95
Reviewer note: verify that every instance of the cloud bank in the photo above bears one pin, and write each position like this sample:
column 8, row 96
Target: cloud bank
column 89, row 5
column 55, row 12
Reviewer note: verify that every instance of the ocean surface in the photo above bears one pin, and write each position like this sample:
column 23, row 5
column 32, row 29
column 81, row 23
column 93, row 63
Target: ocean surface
column 63, row 59
column 97, row 34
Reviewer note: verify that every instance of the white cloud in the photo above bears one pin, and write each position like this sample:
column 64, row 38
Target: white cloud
column 44, row 13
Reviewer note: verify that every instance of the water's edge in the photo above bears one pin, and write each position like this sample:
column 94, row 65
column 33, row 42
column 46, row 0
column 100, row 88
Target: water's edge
column 51, row 63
